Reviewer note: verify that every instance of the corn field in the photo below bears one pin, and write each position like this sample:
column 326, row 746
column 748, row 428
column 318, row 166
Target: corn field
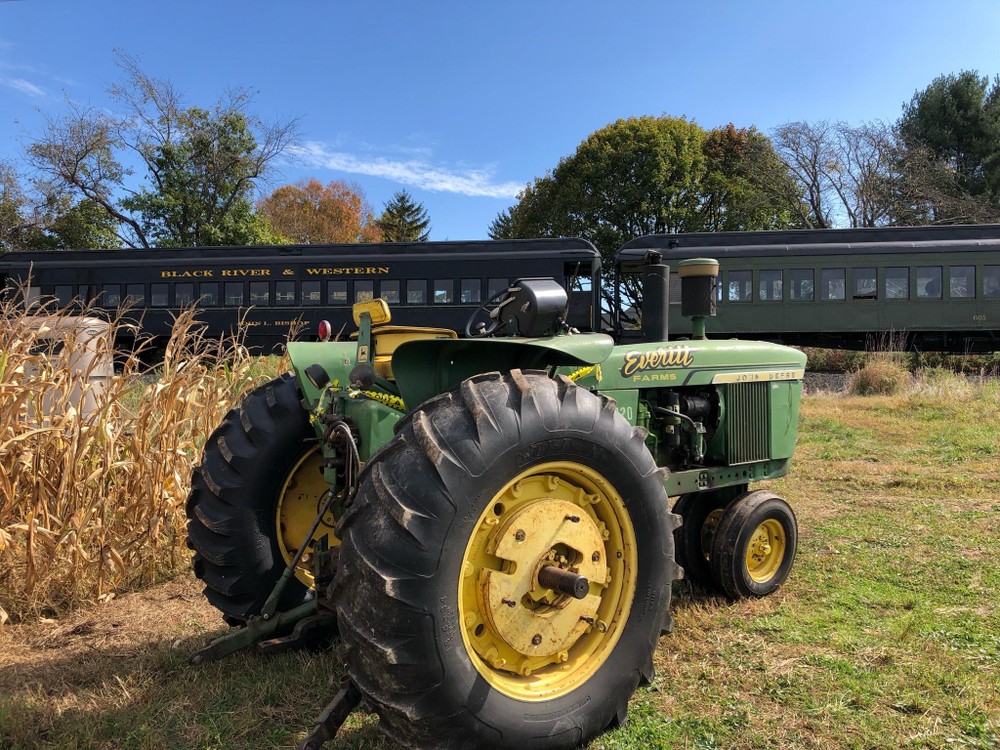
column 92, row 500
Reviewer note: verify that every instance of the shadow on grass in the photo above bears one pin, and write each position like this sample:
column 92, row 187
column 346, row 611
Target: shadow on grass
column 149, row 697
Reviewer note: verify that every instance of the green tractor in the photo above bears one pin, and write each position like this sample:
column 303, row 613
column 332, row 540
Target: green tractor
column 485, row 521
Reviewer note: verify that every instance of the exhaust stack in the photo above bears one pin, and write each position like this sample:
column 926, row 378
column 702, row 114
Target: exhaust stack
column 655, row 298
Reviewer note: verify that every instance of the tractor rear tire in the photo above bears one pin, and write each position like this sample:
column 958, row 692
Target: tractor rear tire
column 754, row 545
column 445, row 626
column 257, row 486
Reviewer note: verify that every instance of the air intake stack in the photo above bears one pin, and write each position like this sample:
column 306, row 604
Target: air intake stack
column 698, row 277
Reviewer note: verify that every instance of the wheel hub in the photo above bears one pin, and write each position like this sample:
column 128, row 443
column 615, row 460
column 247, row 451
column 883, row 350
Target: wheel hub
column 765, row 551
column 300, row 500
column 708, row 530
column 559, row 523
column 530, row 618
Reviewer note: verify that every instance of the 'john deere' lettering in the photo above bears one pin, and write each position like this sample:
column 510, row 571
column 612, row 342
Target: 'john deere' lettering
column 659, row 359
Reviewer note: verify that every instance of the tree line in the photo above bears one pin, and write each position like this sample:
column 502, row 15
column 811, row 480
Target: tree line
column 158, row 173
column 938, row 164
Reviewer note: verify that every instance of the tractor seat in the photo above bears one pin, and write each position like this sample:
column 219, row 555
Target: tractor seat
column 386, row 338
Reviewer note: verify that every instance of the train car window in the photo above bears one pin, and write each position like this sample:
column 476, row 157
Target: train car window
column 961, row 282
column 801, row 284
column 389, row 291
column 135, row 294
column 769, row 285
column 991, row 282
column 740, row 286
column 865, row 285
column 444, row 291
column 260, row 293
column 158, row 294
column 312, row 292
column 234, row 293
column 364, row 291
column 284, row 293
column 111, row 295
column 416, row 292
column 183, row 294
column 928, row 282
column 471, row 290
column 897, row 283
column 336, row 292
column 33, row 298
column 208, row 294
column 494, row 286
column 832, row 285
column 64, row 293
column 674, row 290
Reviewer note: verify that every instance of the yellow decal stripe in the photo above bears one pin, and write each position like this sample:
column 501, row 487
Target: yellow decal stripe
column 758, row 375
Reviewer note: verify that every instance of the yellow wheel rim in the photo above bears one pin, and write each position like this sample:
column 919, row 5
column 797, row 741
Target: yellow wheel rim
column 299, row 501
column 766, row 550
column 528, row 641
column 708, row 531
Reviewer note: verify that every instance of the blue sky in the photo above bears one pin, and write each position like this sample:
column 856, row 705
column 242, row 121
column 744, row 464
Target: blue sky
column 462, row 103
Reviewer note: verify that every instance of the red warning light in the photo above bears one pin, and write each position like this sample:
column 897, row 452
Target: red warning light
column 325, row 330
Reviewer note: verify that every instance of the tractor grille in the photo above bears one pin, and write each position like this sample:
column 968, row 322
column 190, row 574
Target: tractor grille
column 748, row 422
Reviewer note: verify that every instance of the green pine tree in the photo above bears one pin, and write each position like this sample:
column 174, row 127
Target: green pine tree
column 403, row 220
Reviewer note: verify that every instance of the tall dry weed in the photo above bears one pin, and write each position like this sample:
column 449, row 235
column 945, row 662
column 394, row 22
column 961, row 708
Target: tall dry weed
column 93, row 503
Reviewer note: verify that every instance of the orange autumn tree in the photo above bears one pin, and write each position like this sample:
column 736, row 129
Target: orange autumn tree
column 310, row 213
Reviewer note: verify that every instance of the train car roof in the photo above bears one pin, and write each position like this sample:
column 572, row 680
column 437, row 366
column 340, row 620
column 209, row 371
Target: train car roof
column 815, row 242
column 360, row 251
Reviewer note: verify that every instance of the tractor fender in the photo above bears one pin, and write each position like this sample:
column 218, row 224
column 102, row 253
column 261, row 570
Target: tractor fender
column 426, row 368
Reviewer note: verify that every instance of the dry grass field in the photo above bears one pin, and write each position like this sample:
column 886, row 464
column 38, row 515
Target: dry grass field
column 887, row 634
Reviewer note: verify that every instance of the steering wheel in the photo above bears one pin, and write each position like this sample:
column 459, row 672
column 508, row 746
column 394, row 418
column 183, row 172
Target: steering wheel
column 489, row 308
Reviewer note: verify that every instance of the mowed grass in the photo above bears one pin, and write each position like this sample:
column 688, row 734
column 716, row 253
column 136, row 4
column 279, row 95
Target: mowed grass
column 887, row 634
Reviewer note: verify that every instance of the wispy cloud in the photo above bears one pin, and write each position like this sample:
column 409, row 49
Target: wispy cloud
column 419, row 173
column 26, row 87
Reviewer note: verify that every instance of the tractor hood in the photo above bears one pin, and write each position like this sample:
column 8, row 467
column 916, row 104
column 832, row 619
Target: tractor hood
column 699, row 362
column 428, row 367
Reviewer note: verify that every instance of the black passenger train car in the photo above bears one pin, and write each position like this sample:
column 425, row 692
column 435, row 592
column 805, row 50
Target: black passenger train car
column 270, row 290
column 937, row 287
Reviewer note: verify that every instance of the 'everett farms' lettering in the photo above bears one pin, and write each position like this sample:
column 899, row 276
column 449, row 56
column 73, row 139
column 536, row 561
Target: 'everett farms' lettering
column 658, row 359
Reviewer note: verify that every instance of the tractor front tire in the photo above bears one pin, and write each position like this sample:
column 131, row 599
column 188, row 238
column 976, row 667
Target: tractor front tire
column 700, row 514
column 754, row 545
column 446, row 626
column 253, row 499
